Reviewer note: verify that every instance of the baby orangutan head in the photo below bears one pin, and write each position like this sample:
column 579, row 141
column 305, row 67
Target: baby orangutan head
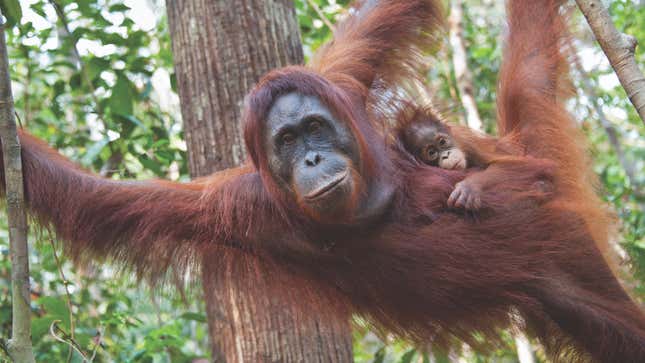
column 430, row 141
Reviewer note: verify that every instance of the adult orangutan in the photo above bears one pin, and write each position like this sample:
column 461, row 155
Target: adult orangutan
column 339, row 221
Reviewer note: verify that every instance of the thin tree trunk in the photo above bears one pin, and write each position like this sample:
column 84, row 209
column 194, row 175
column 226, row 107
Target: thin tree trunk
column 466, row 89
column 524, row 348
column 221, row 48
column 19, row 346
column 460, row 63
column 619, row 49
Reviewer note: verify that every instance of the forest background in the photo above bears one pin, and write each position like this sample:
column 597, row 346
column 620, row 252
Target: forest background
column 95, row 79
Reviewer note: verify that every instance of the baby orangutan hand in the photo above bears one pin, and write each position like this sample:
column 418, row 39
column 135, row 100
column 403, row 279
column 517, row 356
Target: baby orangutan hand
column 467, row 195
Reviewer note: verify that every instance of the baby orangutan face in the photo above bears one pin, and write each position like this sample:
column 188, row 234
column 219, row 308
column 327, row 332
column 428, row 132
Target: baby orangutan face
column 432, row 144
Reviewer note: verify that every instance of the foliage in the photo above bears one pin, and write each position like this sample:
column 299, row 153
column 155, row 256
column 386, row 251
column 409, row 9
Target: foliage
column 95, row 84
column 628, row 196
column 95, row 79
column 314, row 29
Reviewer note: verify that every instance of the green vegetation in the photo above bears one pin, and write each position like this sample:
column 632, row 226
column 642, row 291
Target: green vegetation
column 94, row 78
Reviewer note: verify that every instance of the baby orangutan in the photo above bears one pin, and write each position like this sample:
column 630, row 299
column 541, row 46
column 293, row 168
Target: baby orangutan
column 435, row 143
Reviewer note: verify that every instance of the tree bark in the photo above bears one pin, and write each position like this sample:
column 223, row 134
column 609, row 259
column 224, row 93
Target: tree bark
column 221, row 48
column 460, row 63
column 19, row 346
column 619, row 49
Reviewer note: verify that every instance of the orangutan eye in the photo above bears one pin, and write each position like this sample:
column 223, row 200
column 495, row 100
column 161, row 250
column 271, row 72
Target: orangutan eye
column 431, row 153
column 442, row 141
column 314, row 126
column 287, row 138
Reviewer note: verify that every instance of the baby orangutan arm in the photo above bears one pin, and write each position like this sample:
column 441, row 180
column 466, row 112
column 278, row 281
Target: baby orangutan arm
column 532, row 178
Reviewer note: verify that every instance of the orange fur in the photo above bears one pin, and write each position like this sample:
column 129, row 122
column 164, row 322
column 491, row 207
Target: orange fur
column 422, row 271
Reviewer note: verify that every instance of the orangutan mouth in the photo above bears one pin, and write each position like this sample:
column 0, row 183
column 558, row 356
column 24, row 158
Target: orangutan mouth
column 322, row 190
column 459, row 165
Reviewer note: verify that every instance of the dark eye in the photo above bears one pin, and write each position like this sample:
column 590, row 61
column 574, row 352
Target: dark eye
column 431, row 153
column 287, row 138
column 442, row 141
column 314, row 126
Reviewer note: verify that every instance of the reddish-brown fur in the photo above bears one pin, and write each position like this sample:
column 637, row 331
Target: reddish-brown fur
column 497, row 159
column 421, row 271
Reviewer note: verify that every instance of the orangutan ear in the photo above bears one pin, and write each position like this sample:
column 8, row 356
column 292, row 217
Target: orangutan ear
column 382, row 40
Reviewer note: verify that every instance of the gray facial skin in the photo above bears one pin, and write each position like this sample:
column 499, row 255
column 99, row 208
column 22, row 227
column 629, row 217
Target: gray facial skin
column 312, row 154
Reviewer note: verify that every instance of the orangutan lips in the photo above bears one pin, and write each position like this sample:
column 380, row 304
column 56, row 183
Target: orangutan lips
column 336, row 180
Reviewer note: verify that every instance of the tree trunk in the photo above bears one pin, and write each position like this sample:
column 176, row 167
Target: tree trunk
column 463, row 75
column 19, row 346
column 221, row 48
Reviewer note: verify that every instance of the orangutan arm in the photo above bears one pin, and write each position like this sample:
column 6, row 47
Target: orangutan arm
column 149, row 225
column 515, row 176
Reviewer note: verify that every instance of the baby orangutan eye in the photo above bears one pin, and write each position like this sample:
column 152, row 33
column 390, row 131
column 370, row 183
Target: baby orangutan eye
column 442, row 141
column 432, row 153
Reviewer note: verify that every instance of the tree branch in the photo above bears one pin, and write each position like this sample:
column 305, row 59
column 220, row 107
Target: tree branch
column 68, row 295
column 619, row 48
column 321, row 14
column 19, row 346
column 65, row 338
column 460, row 62
column 610, row 130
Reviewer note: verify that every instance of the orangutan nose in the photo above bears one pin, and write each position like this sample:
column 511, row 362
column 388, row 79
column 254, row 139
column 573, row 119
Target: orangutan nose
column 312, row 158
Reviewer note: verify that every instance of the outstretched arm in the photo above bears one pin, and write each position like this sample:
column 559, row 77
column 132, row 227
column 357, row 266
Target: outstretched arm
column 150, row 225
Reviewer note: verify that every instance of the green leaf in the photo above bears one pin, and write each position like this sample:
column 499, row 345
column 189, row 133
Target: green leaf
column 122, row 97
column 135, row 121
column 173, row 82
column 40, row 326
column 160, row 143
column 95, row 66
column 12, row 11
column 128, row 124
column 38, row 8
column 53, row 306
column 150, row 164
column 83, row 339
column 407, row 357
column 441, row 357
column 379, row 357
column 94, row 151
column 193, row 316
column 56, row 309
column 75, row 81
column 640, row 244
column 118, row 8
